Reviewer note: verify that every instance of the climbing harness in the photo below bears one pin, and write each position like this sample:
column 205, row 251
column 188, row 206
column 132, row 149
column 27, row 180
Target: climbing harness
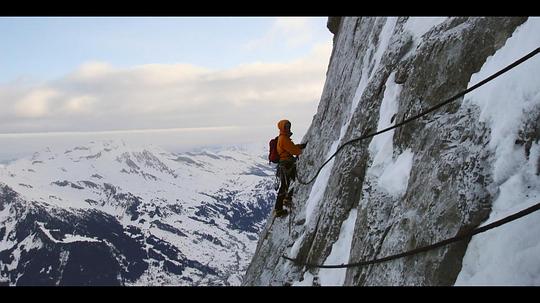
column 277, row 181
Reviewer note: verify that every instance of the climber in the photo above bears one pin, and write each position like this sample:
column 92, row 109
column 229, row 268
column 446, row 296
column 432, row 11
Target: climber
column 286, row 169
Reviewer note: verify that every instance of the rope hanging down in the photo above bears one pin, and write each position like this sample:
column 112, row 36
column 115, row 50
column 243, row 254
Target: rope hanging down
column 429, row 247
column 502, row 71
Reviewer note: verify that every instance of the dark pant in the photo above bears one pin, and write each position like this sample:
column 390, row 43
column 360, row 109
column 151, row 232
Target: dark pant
column 287, row 174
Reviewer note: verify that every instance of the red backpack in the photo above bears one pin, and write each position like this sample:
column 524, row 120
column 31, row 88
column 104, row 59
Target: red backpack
column 273, row 156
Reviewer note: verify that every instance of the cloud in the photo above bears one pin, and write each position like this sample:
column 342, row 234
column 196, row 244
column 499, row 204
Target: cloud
column 99, row 97
column 79, row 104
column 149, row 74
column 297, row 30
column 35, row 104
column 293, row 31
column 92, row 70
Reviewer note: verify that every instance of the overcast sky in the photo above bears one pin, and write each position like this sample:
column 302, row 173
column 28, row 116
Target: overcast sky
column 177, row 75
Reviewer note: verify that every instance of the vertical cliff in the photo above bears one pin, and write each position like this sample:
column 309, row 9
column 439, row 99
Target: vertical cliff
column 439, row 176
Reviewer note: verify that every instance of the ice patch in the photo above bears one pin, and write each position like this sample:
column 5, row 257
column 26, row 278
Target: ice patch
column 384, row 41
column 504, row 101
column 340, row 253
column 418, row 26
column 296, row 246
column 306, row 281
column 319, row 187
column 395, row 176
column 381, row 146
column 508, row 255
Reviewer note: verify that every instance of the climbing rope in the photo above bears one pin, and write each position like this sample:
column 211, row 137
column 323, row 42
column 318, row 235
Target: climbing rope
column 447, row 241
column 488, row 79
column 428, row 247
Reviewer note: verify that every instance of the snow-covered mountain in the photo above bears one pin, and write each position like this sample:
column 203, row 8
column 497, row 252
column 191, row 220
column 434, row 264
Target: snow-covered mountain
column 107, row 213
column 464, row 165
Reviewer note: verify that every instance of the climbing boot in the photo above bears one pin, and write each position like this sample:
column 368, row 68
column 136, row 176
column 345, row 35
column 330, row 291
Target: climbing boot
column 280, row 212
column 287, row 202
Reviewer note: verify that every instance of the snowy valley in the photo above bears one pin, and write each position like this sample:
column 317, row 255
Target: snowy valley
column 107, row 213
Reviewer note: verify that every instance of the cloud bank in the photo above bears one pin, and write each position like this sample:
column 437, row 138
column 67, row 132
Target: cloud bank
column 100, row 97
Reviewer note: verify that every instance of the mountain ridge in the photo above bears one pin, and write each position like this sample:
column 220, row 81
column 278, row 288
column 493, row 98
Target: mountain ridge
column 153, row 219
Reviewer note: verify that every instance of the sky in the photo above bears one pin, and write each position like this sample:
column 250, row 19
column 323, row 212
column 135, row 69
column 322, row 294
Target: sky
column 189, row 80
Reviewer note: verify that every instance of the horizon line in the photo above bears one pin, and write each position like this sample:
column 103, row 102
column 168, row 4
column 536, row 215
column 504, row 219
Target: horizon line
column 119, row 131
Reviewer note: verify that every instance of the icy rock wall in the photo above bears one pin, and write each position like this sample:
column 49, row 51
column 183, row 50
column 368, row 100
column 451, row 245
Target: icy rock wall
column 410, row 187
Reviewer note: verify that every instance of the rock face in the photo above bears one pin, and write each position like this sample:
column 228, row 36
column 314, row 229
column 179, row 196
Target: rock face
column 410, row 187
